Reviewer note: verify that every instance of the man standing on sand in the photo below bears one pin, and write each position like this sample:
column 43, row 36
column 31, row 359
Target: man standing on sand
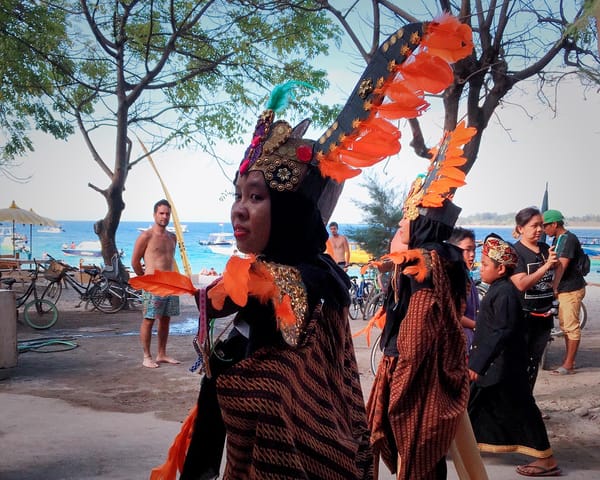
column 156, row 246
column 570, row 287
column 337, row 246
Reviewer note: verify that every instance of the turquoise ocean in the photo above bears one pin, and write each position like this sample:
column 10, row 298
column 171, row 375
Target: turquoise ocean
column 199, row 255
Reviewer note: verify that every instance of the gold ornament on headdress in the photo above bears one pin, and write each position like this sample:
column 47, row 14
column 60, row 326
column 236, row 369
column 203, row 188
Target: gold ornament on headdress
column 443, row 175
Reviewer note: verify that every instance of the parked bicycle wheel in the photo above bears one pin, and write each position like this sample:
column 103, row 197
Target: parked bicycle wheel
column 40, row 314
column 354, row 308
column 135, row 297
column 53, row 291
column 373, row 305
column 108, row 298
column 376, row 354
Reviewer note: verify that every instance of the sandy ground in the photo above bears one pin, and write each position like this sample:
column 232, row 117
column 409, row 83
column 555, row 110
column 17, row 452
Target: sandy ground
column 94, row 412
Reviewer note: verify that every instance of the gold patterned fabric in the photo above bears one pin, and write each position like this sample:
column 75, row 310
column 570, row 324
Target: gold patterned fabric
column 289, row 282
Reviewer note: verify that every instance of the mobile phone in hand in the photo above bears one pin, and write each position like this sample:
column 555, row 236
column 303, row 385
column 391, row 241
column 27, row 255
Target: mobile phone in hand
column 559, row 247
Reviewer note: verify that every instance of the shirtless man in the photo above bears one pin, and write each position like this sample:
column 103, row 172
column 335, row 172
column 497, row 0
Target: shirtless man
column 337, row 246
column 156, row 246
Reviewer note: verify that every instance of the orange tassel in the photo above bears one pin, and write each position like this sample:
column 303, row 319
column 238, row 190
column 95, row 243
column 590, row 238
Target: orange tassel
column 378, row 321
column 235, row 278
column 164, row 283
column 396, row 111
column 178, row 450
column 451, row 156
column 399, row 95
column 403, row 257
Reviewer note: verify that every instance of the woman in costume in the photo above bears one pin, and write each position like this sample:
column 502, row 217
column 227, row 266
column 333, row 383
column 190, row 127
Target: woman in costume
column 534, row 277
column 502, row 408
column 284, row 387
column 421, row 387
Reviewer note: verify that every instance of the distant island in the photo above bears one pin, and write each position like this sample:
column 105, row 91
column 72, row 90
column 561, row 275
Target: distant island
column 508, row 219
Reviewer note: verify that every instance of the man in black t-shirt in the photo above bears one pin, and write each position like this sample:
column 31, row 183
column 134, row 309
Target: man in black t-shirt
column 571, row 287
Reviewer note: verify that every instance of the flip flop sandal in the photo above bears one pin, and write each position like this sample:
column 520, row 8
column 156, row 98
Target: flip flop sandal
column 537, row 471
column 562, row 371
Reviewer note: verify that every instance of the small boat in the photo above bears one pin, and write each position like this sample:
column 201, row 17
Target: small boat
column 221, row 238
column 5, row 231
column 184, row 229
column 228, row 250
column 10, row 244
column 88, row 248
column 591, row 246
column 49, row 229
column 221, row 243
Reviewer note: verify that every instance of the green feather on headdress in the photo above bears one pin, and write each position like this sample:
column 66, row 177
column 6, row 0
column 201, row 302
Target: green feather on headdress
column 284, row 93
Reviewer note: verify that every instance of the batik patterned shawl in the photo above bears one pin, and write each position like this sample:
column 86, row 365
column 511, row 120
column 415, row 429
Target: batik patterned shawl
column 298, row 412
column 418, row 397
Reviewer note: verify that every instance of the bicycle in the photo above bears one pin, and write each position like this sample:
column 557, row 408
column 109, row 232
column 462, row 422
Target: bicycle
column 374, row 303
column 105, row 294
column 358, row 296
column 40, row 313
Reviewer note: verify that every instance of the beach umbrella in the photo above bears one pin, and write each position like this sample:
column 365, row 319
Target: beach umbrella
column 15, row 215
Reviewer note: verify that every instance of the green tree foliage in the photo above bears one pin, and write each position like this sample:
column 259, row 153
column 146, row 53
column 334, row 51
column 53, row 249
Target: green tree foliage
column 380, row 216
column 170, row 72
column 27, row 79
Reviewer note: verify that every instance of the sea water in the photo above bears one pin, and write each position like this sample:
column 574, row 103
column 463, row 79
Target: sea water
column 200, row 256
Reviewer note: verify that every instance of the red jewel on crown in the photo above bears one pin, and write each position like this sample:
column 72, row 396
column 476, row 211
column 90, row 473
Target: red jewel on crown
column 244, row 166
column 304, row 153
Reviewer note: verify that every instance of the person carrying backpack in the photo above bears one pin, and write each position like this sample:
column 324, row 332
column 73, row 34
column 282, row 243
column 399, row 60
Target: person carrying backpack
column 571, row 285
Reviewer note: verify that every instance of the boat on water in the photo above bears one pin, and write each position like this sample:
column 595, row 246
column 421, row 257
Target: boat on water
column 87, row 248
column 591, row 246
column 222, row 243
column 10, row 242
column 184, row 229
column 228, row 250
column 220, row 238
column 48, row 229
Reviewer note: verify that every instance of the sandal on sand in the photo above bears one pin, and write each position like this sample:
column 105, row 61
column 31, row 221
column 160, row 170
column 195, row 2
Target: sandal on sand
column 537, row 471
column 563, row 371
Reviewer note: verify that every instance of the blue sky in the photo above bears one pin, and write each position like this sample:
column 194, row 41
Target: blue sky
column 509, row 174
column 525, row 146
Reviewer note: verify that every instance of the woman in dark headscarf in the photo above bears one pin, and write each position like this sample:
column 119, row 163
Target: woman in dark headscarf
column 283, row 388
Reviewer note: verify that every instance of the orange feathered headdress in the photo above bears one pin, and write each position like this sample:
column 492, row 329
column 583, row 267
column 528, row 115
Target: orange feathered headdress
column 431, row 194
column 410, row 63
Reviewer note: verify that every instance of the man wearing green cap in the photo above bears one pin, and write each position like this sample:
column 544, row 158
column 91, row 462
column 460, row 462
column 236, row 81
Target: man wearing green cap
column 571, row 286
